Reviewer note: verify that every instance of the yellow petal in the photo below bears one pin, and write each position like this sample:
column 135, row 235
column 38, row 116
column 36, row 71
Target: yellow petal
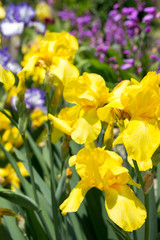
column 141, row 139
column 88, row 90
column 118, row 90
column 72, row 160
column 28, row 68
column 87, row 128
column 7, row 78
column 60, row 124
column 143, row 166
column 124, row 208
column 72, row 203
column 56, row 135
column 63, row 70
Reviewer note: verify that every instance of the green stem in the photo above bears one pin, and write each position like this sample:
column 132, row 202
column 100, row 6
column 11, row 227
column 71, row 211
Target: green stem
column 146, row 201
column 138, row 173
column 34, row 187
column 53, row 185
column 153, row 169
column 30, row 168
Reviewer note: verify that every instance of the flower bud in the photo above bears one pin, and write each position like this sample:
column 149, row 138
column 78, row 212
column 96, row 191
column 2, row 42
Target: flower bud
column 21, row 222
column 68, row 173
column 148, row 181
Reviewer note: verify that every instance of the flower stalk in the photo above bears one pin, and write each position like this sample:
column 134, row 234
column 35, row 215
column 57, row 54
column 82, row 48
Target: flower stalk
column 53, row 185
column 146, row 200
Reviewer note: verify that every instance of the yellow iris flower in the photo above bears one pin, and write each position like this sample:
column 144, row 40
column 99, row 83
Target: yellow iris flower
column 38, row 117
column 54, row 56
column 81, row 122
column 4, row 121
column 2, row 12
column 103, row 169
column 43, row 11
column 7, row 78
column 11, row 138
column 9, row 176
column 139, row 104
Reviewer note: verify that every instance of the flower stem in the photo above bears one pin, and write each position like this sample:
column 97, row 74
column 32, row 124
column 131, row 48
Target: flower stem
column 53, row 185
column 34, row 187
column 138, row 173
column 146, row 200
column 30, row 168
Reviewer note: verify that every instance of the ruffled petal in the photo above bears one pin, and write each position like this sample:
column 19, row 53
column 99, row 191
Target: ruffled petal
column 141, row 139
column 124, row 208
column 63, row 71
column 87, row 128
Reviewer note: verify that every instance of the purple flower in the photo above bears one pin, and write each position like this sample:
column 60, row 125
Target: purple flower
column 158, row 15
column 127, row 52
column 129, row 60
column 128, row 63
column 83, row 20
column 24, row 13
column 17, row 17
column 8, row 62
column 148, row 18
column 65, row 15
column 151, row 10
column 34, row 98
column 130, row 24
column 116, row 6
column 102, row 48
column 128, row 10
column 9, row 29
column 147, row 29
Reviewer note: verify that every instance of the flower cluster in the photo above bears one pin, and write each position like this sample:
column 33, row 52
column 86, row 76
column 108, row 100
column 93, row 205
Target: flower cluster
column 90, row 103
column 125, row 31
column 62, row 105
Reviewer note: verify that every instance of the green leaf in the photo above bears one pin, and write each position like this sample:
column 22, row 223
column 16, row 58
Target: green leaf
column 12, row 161
column 18, row 198
column 38, row 154
column 21, row 156
column 61, row 188
column 119, row 232
column 9, row 223
column 36, row 229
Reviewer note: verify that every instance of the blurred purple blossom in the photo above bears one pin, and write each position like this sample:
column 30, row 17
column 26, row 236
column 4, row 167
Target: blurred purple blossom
column 34, row 98
column 150, row 10
column 17, row 17
column 121, row 31
column 148, row 18
column 8, row 62
column 128, row 63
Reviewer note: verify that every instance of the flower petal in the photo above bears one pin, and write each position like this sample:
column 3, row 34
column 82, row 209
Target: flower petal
column 141, row 139
column 9, row 29
column 124, row 208
column 60, row 124
column 7, row 78
column 72, row 203
column 87, row 128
